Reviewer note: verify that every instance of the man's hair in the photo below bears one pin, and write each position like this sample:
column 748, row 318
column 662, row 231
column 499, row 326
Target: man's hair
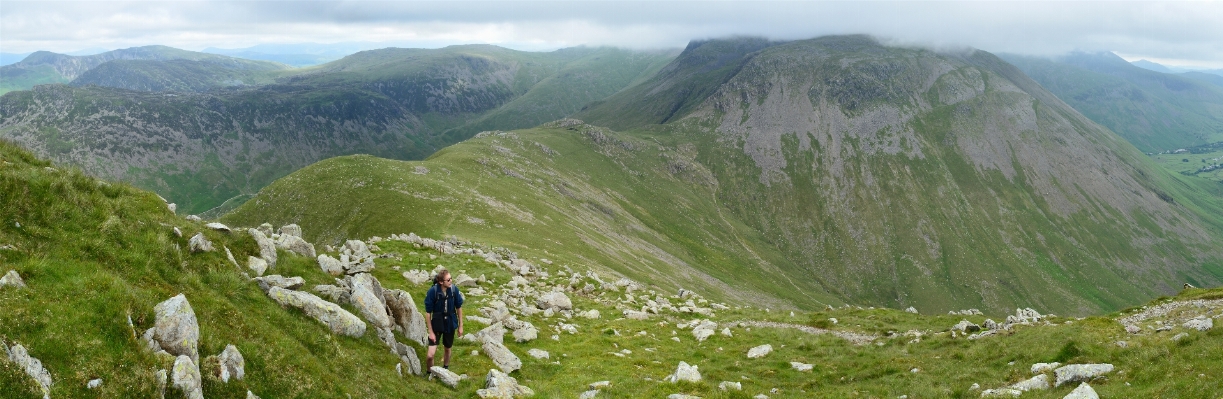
column 437, row 278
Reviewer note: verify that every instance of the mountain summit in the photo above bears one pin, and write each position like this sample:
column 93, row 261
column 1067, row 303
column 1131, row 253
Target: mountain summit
column 835, row 167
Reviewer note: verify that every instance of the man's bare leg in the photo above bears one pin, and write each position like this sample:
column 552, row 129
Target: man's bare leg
column 429, row 358
column 446, row 358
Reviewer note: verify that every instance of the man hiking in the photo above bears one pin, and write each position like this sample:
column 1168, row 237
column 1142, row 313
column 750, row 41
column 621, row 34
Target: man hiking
column 443, row 316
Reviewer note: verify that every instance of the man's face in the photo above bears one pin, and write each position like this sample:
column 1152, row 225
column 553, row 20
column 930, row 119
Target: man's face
column 446, row 281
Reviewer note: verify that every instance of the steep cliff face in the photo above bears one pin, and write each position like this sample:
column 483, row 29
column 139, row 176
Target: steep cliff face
column 903, row 176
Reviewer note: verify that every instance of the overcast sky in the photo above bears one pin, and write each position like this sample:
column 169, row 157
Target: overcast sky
column 1173, row 33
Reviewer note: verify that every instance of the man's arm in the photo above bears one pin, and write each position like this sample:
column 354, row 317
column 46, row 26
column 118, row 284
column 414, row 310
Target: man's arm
column 460, row 310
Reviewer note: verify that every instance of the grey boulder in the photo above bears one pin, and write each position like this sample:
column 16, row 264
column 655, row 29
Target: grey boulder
column 176, row 328
column 1084, row 391
column 445, row 376
column 199, row 243
column 502, row 357
column 405, row 315
column 289, row 283
column 340, row 321
column 499, row 385
column 267, row 248
column 368, row 298
column 186, row 377
column 1080, row 372
column 12, row 279
column 232, row 364
column 554, row 300
column 32, row 367
column 296, row 245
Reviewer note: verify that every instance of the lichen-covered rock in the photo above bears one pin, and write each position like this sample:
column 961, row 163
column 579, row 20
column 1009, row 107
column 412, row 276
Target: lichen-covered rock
column 186, row 377
column 685, row 372
column 554, row 300
column 526, row 334
column 1043, row 367
column 1200, row 323
column 1039, row 382
column 276, row 280
column 330, row 265
column 176, row 328
column 267, row 248
column 218, row 227
column 199, row 243
column 291, row 229
column 759, row 351
column 340, row 321
column 12, row 279
column 445, row 376
column 369, row 299
column 498, row 385
column 1080, row 372
column 232, row 364
column 502, row 357
column 406, row 317
column 32, row 367
column 257, row 265
column 296, row 245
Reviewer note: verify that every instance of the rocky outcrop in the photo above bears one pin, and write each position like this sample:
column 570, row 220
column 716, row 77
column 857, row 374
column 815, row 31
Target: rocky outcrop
column 502, row 357
column 369, row 299
column 256, row 265
column 177, row 331
column 32, row 367
column 296, row 245
column 406, row 317
column 267, row 248
column 445, row 376
column 1083, row 391
column 498, row 385
column 276, row 280
column 186, row 377
column 555, row 301
column 12, row 279
column 1200, row 323
column 330, row 265
column 292, row 230
column 685, row 372
column 340, row 321
column 199, row 243
column 759, row 351
column 1080, row 372
column 232, row 365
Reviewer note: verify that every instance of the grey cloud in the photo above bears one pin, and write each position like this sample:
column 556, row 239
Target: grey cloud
column 1171, row 30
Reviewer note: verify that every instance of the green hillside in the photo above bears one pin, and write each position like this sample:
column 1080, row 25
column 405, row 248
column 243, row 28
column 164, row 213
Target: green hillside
column 869, row 174
column 94, row 255
column 1154, row 111
column 214, row 148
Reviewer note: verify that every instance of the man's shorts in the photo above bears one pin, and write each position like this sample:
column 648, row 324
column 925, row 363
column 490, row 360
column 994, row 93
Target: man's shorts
column 447, row 339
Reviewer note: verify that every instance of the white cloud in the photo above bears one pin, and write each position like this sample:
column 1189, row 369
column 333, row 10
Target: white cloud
column 1186, row 31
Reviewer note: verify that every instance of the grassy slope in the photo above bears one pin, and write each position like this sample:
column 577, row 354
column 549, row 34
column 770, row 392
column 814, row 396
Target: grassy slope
column 93, row 253
column 1154, row 111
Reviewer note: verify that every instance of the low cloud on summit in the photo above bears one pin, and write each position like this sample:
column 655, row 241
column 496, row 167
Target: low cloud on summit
column 1175, row 33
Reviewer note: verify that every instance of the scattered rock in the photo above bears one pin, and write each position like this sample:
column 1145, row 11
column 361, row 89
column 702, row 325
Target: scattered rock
column 176, row 329
column 331, row 265
column 417, row 276
column 193, row 218
column 635, row 315
column 966, row 326
column 12, row 279
column 251, row 395
column 1084, row 391
column 407, row 355
column 218, row 227
column 727, row 386
column 406, row 317
column 538, row 353
column 199, row 243
column 502, row 357
column 591, row 394
column 186, row 377
column 1039, row 382
column 592, row 314
column 1180, row 336
column 465, row 281
column 232, row 364
column 1080, row 372
column 526, row 334
column 599, row 385
column 340, row 321
column 685, row 372
column 554, row 300
column 445, row 376
column 296, row 245
column 501, row 386
column 32, row 367
column 292, row 230
column 1001, row 392
column 1133, row 329
column 369, row 299
column 162, row 378
column 802, row 366
column 759, row 351
column 1200, row 323
column 257, row 265
column 94, row 383
column 267, row 248
column 276, row 280
column 1044, row 367
column 911, row 310
column 682, row 396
